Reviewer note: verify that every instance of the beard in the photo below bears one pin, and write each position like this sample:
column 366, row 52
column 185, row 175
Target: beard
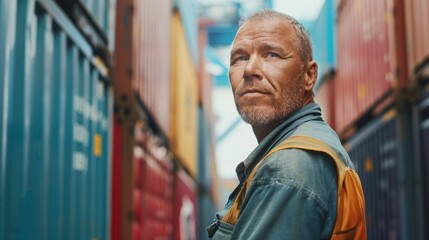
column 289, row 101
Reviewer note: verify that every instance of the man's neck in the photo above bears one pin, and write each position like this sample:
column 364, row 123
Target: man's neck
column 262, row 131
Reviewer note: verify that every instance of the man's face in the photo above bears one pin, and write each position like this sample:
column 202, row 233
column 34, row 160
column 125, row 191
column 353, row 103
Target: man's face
column 266, row 72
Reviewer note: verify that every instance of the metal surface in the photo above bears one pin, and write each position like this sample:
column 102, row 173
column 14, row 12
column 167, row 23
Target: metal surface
column 383, row 156
column 188, row 14
column 184, row 100
column 322, row 34
column 153, row 188
column 185, row 206
column 206, row 176
column 325, row 97
column 55, row 128
column 422, row 135
column 371, row 56
column 417, row 34
column 205, row 80
column 150, row 66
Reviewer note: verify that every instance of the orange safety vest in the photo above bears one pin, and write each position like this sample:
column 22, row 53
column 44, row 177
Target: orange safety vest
column 350, row 222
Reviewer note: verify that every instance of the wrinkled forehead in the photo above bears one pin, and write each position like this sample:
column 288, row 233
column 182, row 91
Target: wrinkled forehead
column 272, row 28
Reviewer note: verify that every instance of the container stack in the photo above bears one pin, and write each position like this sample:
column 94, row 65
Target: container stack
column 106, row 123
column 322, row 34
column 379, row 88
column 163, row 158
column 56, row 98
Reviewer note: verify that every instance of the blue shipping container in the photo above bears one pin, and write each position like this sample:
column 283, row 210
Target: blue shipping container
column 205, row 205
column 322, row 34
column 188, row 14
column 55, row 127
column 382, row 154
column 205, row 141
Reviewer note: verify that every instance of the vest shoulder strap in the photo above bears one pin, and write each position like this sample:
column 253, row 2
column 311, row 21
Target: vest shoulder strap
column 350, row 221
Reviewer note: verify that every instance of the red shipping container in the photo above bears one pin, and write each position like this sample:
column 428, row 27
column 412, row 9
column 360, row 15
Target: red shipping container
column 325, row 97
column 122, row 180
column 142, row 59
column 184, row 206
column 371, row 57
column 417, row 17
column 152, row 206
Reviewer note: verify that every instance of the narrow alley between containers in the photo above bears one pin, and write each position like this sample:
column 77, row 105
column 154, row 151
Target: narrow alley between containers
column 118, row 120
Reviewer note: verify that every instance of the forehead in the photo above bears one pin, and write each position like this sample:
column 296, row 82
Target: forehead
column 271, row 29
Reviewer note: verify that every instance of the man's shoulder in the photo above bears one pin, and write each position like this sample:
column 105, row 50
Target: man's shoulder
column 289, row 163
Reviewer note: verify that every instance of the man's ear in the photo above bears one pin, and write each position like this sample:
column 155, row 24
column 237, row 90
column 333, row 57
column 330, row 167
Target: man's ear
column 310, row 76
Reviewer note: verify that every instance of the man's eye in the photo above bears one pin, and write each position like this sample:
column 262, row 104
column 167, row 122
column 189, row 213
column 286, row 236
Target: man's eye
column 273, row 55
column 242, row 58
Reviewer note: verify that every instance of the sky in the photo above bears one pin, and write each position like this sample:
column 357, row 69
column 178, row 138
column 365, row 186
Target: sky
column 233, row 146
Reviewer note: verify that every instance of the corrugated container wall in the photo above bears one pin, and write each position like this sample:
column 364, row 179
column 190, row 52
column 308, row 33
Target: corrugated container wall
column 154, row 187
column 381, row 152
column 206, row 176
column 325, row 97
column 98, row 10
column 56, row 107
column 322, row 34
column 184, row 99
column 189, row 16
column 151, row 64
column 185, row 206
column 205, row 79
column 371, row 56
column 422, row 135
column 417, row 18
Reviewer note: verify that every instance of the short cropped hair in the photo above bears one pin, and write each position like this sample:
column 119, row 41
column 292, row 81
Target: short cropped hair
column 304, row 44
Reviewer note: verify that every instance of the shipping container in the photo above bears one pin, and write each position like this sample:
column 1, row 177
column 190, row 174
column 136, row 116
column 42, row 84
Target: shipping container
column 89, row 13
column 325, row 97
column 184, row 99
column 322, row 34
column 205, row 79
column 122, row 177
column 142, row 79
column 143, row 183
column 205, row 141
column 151, row 57
column 206, row 214
column 189, row 16
column 371, row 57
column 382, row 152
column 94, row 19
column 56, row 108
column 153, row 187
column 421, row 131
column 206, row 176
column 417, row 35
column 142, row 60
column 185, row 208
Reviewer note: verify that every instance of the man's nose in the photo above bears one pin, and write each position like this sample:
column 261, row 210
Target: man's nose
column 252, row 70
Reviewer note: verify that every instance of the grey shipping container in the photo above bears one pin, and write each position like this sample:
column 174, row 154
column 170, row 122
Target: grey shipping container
column 421, row 131
column 383, row 156
column 55, row 127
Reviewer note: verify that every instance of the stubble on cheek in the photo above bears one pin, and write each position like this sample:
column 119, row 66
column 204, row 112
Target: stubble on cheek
column 260, row 113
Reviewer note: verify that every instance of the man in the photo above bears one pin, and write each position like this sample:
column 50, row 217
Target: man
column 288, row 193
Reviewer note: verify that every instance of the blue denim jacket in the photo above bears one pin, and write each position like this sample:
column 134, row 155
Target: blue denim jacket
column 293, row 194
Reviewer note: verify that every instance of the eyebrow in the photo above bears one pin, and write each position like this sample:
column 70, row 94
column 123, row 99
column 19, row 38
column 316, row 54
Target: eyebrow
column 271, row 46
column 238, row 50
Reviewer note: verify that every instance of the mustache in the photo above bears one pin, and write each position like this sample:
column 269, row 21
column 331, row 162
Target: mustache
column 252, row 89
